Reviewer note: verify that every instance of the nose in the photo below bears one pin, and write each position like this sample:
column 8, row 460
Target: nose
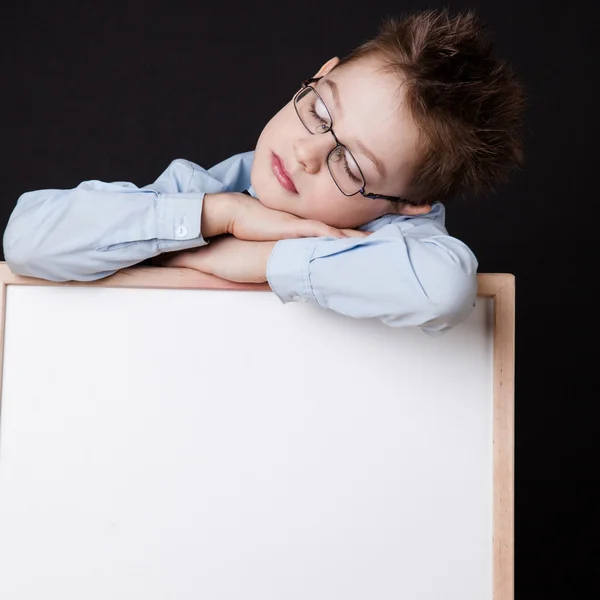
column 312, row 151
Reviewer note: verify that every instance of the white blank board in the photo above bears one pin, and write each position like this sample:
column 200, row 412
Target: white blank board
column 218, row 445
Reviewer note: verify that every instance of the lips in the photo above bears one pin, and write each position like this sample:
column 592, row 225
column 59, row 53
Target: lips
column 282, row 176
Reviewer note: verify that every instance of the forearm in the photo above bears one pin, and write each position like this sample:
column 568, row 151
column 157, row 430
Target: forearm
column 429, row 282
column 226, row 257
column 91, row 231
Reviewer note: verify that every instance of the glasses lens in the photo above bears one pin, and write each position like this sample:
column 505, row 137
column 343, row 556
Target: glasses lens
column 316, row 118
column 345, row 171
column 312, row 112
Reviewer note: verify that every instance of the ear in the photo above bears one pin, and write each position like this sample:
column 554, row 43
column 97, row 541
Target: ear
column 328, row 66
column 407, row 209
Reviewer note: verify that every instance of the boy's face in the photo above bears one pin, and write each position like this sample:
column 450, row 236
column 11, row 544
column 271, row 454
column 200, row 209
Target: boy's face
column 369, row 113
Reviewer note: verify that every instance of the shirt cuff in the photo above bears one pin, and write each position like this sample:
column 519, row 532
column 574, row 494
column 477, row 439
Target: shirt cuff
column 288, row 270
column 179, row 217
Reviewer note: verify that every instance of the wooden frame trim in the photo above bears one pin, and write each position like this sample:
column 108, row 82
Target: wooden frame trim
column 498, row 286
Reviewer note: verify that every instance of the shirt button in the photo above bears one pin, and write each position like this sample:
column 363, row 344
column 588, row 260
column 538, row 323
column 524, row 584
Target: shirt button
column 182, row 231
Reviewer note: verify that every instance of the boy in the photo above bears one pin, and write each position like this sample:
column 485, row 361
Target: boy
column 343, row 205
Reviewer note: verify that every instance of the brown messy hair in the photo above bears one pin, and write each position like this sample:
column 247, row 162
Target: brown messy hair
column 467, row 104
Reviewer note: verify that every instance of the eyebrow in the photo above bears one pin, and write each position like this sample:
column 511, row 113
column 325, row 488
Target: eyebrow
column 333, row 88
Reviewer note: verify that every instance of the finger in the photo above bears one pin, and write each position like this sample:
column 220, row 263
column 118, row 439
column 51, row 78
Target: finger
column 356, row 233
column 315, row 228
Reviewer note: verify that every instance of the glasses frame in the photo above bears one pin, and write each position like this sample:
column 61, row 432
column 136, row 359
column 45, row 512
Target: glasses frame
column 306, row 84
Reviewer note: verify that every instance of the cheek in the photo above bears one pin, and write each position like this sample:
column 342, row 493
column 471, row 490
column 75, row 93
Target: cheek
column 323, row 201
column 346, row 212
column 328, row 210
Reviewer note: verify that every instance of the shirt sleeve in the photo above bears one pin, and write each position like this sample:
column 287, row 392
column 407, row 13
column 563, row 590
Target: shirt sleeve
column 416, row 277
column 97, row 228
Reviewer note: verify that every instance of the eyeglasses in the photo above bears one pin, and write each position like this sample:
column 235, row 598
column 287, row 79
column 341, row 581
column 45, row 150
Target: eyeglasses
column 344, row 169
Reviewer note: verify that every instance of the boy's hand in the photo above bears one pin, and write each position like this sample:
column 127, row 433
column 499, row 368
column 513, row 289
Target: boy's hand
column 229, row 258
column 246, row 218
column 226, row 257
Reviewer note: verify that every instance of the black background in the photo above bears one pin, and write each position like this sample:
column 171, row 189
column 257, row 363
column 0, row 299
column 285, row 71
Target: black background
column 115, row 92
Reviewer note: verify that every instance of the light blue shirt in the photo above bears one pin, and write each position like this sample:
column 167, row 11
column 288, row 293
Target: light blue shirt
column 409, row 272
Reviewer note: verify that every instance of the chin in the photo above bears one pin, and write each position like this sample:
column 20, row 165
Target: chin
column 271, row 198
column 258, row 183
column 265, row 199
